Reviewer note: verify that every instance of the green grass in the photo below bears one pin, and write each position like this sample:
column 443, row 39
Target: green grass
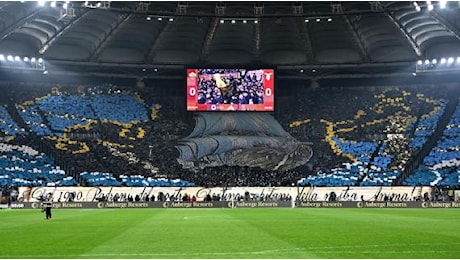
column 231, row 233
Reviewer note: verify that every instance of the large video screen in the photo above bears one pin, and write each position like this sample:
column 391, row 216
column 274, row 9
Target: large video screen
column 230, row 89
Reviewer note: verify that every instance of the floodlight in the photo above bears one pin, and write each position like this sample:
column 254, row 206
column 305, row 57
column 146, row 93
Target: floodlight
column 221, row 21
column 450, row 60
column 256, row 21
column 17, row 58
column 41, row 3
column 53, row 4
column 171, row 19
column 443, row 61
column 159, row 19
column 45, row 72
column 427, row 62
column 458, row 59
column 2, row 57
column 429, row 5
column 40, row 60
column 65, row 5
column 26, row 59
column 307, row 21
column 10, row 58
column 329, row 19
column 245, row 21
column 318, row 20
column 419, row 62
column 434, row 61
column 233, row 21
column 33, row 59
column 148, row 18
column 442, row 4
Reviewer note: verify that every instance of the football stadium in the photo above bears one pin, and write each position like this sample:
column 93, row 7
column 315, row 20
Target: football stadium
column 229, row 129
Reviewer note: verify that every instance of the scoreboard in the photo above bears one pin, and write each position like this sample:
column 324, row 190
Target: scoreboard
column 230, row 89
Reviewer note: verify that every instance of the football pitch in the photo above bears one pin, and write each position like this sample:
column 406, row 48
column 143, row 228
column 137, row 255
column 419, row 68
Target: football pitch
column 231, row 233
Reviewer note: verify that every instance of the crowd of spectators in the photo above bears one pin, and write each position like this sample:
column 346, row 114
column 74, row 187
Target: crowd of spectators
column 24, row 166
column 113, row 136
column 442, row 165
column 373, row 131
column 8, row 127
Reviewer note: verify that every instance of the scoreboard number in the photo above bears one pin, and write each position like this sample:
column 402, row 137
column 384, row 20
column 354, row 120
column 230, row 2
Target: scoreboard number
column 268, row 92
column 192, row 91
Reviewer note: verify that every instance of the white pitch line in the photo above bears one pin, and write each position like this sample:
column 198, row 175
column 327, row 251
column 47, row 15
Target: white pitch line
column 314, row 250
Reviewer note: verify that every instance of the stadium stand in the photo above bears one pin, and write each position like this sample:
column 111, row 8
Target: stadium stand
column 103, row 179
column 8, row 127
column 354, row 94
column 127, row 136
column 349, row 127
column 24, row 166
column 141, row 181
column 441, row 166
column 346, row 176
column 375, row 137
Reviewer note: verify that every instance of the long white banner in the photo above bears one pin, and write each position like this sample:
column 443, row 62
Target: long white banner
column 93, row 194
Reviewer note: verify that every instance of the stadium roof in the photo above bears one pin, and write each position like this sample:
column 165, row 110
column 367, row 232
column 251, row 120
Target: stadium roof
column 385, row 37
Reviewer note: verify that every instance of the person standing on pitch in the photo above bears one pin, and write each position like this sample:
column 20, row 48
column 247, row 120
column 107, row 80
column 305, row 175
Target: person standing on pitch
column 47, row 204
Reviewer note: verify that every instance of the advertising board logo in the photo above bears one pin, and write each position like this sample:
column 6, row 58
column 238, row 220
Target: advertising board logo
column 17, row 205
column 359, row 204
column 34, row 205
column 424, row 204
column 100, row 205
column 166, row 205
column 192, row 74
